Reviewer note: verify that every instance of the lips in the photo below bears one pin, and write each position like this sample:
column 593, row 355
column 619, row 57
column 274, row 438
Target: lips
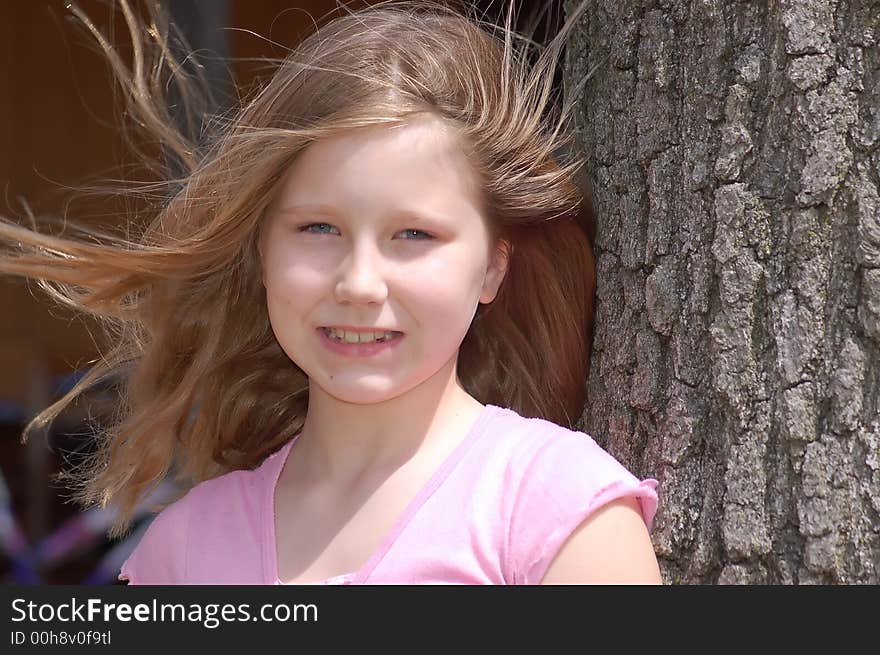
column 350, row 328
column 359, row 348
column 360, row 335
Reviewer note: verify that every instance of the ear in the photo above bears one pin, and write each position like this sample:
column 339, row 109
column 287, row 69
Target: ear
column 497, row 270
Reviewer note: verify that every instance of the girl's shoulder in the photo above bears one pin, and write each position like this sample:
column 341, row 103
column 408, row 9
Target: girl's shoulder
column 158, row 558
column 535, row 447
column 229, row 507
column 551, row 480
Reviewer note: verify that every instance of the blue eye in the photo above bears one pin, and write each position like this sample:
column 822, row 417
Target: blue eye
column 417, row 232
column 326, row 228
column 308, row 228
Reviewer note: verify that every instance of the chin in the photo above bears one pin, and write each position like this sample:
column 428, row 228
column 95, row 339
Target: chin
column 364, row 399
column 362, row 394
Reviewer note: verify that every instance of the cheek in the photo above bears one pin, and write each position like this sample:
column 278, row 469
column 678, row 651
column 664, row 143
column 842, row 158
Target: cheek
column 446, row 293
column 294, row 274
column 291, row 292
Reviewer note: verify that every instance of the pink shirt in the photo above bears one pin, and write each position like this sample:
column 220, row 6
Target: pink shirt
column 495, row 512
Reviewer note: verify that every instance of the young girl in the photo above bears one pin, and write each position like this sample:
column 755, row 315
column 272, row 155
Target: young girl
column 359, row 328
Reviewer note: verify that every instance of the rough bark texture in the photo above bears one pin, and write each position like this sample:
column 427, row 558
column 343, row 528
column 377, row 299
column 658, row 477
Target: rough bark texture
column 734, row 152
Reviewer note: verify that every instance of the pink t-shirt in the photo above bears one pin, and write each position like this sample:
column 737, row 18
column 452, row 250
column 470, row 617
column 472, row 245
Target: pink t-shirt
column 495, row 512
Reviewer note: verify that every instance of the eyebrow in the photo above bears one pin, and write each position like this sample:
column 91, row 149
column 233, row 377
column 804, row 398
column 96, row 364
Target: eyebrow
column 326, row 210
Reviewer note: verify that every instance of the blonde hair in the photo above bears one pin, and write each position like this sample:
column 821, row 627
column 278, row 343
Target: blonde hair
column 206, row 386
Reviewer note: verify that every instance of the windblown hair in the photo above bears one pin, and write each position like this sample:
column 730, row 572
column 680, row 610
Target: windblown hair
column 206, row 388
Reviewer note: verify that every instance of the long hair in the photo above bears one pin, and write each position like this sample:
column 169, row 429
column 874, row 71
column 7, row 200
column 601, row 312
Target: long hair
column 205, row 385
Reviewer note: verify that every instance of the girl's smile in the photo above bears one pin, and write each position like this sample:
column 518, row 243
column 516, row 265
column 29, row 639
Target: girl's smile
column 359, row 343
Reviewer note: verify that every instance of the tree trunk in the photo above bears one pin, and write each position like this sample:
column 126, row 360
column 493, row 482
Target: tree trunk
column 733, row 153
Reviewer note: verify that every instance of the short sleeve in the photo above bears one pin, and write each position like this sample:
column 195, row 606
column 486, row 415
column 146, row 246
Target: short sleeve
column 563, row 482
column 160, row 556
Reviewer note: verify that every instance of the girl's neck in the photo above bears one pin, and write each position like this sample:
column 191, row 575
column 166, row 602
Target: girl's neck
column 347, row 441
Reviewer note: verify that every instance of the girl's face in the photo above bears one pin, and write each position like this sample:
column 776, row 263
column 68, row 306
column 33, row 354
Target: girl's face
column 378, row 229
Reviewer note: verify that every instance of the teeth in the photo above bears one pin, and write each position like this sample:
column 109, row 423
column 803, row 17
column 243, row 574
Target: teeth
column 355, row 337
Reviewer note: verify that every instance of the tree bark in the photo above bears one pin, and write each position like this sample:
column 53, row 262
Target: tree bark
column 733, row 154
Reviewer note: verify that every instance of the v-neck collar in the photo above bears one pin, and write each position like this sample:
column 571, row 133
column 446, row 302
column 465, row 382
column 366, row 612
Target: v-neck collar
column 270, row 546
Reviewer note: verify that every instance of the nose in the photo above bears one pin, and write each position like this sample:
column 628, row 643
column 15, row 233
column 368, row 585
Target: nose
column 360, row 279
